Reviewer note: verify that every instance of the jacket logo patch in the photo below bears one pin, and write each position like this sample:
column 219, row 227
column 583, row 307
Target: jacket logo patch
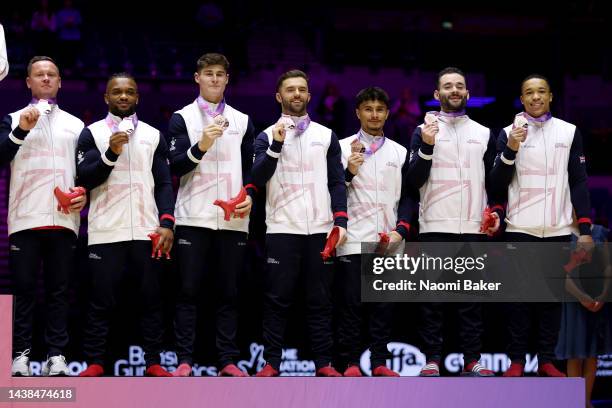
column 232, row 132
column 561, row 146
column 313, row 144
column 273, row 261
column 80, row 157
column 145, row 142
column 94, row 256
column 474, row 141
column 183, row 242
column 391, row 164
column 15, row 248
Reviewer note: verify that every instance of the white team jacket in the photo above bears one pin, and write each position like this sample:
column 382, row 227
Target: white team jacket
column 217, row 176
column 123, row 208
column 45, row 160
column 539, row 202
column 453, row 197
column 297, row 196
column 373, row 194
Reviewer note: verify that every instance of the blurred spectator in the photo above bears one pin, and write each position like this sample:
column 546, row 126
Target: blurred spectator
column 405, row 116
column 69, row 34
column 17, row 32
column 211, row 20
column 87, row 116
column 165, row 112
column 332, row 109
column 43, row 25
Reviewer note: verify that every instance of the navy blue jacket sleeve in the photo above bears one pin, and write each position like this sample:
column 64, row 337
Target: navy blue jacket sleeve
column 8, row 148
column 419, row 168
column 335, row 182
column 264, row 164
column 92, row 170
column 246, row 152
column 496, row 198
column 577, row 178
column 164, row 197
column 180, row 145
column 407, row 205
column 501, row 174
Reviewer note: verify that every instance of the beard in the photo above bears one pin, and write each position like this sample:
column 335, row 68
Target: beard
column 293, row 110
column 452, row 106
column 122, row 113
column 375, row 130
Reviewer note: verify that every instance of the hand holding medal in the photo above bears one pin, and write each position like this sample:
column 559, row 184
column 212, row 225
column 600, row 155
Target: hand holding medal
column 518, row 134
column 356, row 158
column 279, row 131
column 209, row 135
column 430, row 128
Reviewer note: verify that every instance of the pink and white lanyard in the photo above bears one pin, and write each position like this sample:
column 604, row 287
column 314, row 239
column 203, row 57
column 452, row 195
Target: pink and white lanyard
column 540, row 119
column 447, row 114
column 52, row 101
column 371, row 148
column 205, row 107
column 301, row 125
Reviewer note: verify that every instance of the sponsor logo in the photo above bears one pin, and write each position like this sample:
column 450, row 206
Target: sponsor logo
column 604, row 365
column 134, row 364
column 497, row 362
column 15, row 248
column 145, row 142
column 94, row 256
column 291, row 365
column 474, row 141
column 561, row 146
column 406, row 359
column 391, row 164
column 313, row 144
column 183, row 242
column 273, row 261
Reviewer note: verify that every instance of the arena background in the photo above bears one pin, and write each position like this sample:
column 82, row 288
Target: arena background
column 397, row 47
